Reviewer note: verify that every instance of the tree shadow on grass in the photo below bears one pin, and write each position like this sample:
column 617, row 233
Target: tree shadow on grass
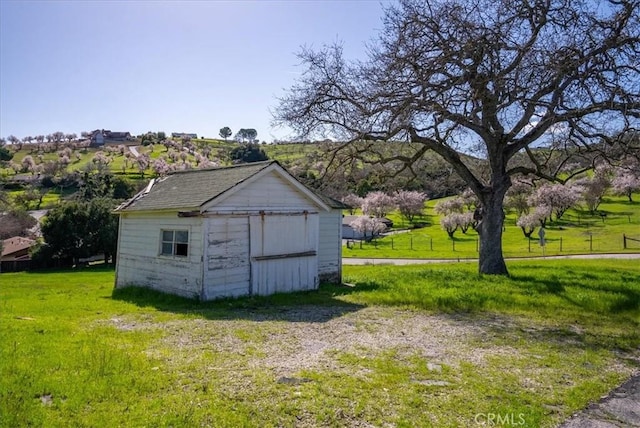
column 552, row 286
column 614, row 297
column 325, row 304
column 500, row 329
column 306, row 306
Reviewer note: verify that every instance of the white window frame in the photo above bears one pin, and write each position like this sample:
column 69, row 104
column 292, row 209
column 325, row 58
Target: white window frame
column 178, row 244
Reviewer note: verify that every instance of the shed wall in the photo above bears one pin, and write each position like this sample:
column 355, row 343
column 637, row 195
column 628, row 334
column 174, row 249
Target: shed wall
column 140, row 263
column 270, row 192
column 330, row 246
column 284, row 252
column 226, row 262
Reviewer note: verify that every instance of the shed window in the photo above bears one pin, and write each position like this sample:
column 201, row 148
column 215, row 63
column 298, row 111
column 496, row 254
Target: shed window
column 175, row 243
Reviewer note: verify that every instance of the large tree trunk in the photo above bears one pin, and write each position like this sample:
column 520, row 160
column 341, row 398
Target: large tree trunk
column 490, row 230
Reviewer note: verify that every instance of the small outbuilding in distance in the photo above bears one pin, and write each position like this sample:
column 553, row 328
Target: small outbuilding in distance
column 250, row 229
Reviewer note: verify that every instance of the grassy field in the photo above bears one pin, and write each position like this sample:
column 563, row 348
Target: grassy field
column 577, row 232
column 433, row 345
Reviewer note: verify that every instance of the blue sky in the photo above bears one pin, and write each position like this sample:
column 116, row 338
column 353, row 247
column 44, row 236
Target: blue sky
column 172, row 66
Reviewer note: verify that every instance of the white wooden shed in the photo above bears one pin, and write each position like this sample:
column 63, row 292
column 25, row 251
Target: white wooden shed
column 250, row 229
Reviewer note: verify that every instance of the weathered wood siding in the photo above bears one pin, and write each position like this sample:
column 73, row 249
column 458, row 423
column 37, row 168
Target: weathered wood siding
column 270, row 192
column 284, row 275
column 330, row 246
column 226, row 263
column 284, row 251
column 139, row 261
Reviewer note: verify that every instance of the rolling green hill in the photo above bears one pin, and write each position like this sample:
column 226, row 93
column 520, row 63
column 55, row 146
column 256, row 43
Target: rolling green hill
column 578, row 232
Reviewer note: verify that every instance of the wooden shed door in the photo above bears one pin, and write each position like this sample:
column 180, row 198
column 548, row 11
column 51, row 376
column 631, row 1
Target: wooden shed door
column 284, row 251
column 226, row 269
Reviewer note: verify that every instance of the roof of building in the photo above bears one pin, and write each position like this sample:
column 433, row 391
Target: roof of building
column 333, row 203
column 348, row 219
column 194, row 188
column 16, row 244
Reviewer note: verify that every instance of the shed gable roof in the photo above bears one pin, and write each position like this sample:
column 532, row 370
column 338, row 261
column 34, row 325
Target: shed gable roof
column 192, row 189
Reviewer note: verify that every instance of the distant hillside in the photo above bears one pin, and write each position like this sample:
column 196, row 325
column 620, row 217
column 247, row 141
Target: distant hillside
column 310, row 162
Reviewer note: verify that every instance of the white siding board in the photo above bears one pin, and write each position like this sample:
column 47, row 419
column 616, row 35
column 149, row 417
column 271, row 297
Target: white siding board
column 227, row 271
column 271, row 192
column 277, row 234
column 330, row 246
column 289, row 237
column 175, row 278
column 143, row 233
column 139, row 261
column 284, row 275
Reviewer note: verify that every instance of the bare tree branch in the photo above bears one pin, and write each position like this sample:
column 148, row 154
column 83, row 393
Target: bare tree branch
column 535, row 84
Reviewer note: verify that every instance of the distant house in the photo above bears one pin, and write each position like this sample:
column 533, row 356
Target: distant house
column 348, row 232
column 184, row 135
column 16, row 254
column 100, row 137
column 250, row 229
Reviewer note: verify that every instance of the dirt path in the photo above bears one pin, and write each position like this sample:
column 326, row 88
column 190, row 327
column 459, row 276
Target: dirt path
column 134, row 151
column 620, row 408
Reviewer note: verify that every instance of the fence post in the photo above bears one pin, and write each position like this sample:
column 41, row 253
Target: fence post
column 529, row 244
column 412, row 242
column 561, row 244
column 591, row 242
column 392, row 243
column 431, row 243
column 453, row 244
column 624, row 241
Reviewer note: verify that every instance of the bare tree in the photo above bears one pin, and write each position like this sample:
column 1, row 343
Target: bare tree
column 500, row 78
column 71, row 137
column 57, row 137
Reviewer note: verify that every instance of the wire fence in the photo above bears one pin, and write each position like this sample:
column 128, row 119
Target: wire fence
column 587, row 242
column 631, row 242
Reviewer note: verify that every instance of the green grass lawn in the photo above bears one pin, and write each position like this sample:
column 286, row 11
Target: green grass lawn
column 434, row 345
column 577, row 232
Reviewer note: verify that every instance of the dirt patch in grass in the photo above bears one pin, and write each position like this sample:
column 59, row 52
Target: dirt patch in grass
column 292, row 339
column 351, row 365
